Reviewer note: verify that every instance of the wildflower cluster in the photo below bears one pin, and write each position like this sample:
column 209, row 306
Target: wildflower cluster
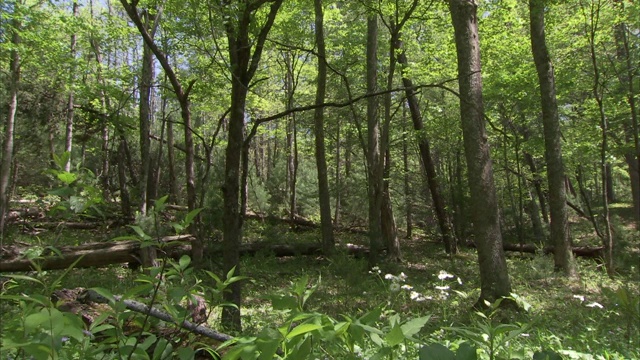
column 592, row 304
column 443, row 287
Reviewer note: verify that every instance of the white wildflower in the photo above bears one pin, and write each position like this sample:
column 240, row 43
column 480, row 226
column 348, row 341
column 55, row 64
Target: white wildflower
column 595, row 304
column 444, row 275
column 443, row 288
column 459, row 281
column 416, row 296
column 403, row 276
column 394, row 287
column 581, row 297
column 389, row 277
column 406, row 287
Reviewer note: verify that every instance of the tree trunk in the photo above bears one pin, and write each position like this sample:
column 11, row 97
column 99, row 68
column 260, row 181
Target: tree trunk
column 428, row 164
column 627, row 77
column 494, row 278
column 374, row 156
column 244, row 64
column 70, row 112
column 183, row 99
column 408, row 197
column 598, row 91
column 10, row 122
column 559, row 226
column 328, row 240
column 146, row 82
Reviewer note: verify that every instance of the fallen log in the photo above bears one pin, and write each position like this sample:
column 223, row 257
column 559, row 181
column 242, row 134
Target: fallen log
column 90, row 255
column 109, row 253
column 593, row 252
column 137, row 306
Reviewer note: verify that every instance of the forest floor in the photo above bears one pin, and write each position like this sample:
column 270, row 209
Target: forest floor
column 585, row 316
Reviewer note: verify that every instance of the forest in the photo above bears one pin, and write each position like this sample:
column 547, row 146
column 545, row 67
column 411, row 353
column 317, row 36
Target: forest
column 319, row 179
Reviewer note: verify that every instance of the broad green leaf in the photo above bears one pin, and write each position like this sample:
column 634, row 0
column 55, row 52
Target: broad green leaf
column 67, row 178
column 436, row 352
column 414, row 326
column 466, row 352
column 395, row 336
column 547, row 355
column 302, row 329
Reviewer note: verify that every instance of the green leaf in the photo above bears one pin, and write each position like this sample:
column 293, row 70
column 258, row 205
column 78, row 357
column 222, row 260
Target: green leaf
column 302, row 329
column 33, row 321
column 188, row 219
column 162, row 350
column 139, row 231
column 66, row 177
column 466, row 352
column 436, row 352
column 184, row 262
column 395, row 336
column 414, row 326
column 547, row 355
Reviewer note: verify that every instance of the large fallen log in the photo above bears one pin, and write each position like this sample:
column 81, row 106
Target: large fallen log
column 594, row 252
column 121, row 252
column 89, row 255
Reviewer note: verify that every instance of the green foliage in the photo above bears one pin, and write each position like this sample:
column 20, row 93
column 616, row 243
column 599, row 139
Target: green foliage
column 368, row 336
column 80, row 192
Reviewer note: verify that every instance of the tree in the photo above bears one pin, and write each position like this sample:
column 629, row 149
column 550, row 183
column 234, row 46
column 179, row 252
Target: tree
column 182, row 95
column 10, row 121
column 244, row 63
column 559, row 226
column 328, row 242
column 494, row 278
column 374, row 155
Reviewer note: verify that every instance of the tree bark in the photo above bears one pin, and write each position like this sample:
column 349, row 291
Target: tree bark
column 598, row 91
column 146, row 82
column 374, row 156
column 559, row 226
column 328, row 241
column 182, row 95
column 627, row 77
column 70, row 97
column 494, row 277
column 10, row 122
column 243, row 64
column 427, row 160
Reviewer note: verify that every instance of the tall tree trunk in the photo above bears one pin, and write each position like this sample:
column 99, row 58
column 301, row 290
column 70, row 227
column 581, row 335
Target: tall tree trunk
column 182, row 95
column 10, row 122
column 146, row 82
column 408, row 196
column 328, row 241
column 70, row 111
column 428, row 164
column 374, row 156
column 598, row 90
column 627, row 77
column 559, row 226
column 494, row 277
column 292, row 146
column 244, row 64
